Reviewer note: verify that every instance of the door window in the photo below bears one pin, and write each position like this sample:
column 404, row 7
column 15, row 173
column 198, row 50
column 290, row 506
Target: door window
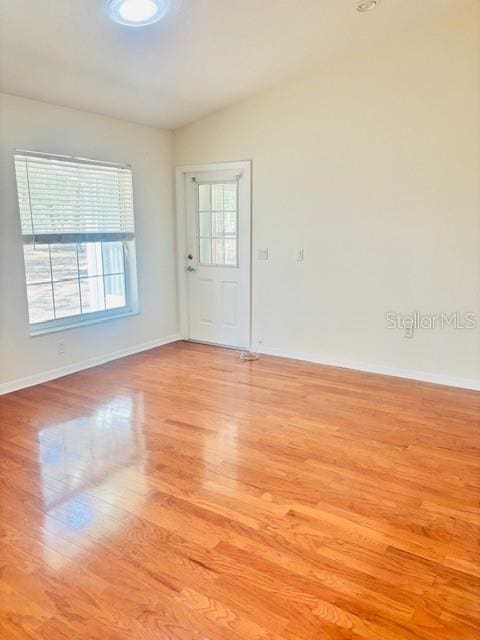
column 217, row 223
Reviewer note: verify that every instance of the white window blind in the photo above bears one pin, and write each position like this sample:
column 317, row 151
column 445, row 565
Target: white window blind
column 77, row 220
column 65, row 201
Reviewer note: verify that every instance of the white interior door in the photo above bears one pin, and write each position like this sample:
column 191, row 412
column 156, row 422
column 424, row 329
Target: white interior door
column 217, row 261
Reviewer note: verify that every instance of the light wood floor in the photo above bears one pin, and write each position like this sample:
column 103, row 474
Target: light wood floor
column 184, row 494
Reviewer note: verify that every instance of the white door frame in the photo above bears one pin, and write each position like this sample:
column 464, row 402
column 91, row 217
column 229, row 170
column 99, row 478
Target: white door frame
column 181, row 227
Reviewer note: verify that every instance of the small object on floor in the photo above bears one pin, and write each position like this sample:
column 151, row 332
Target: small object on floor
column 246, row 354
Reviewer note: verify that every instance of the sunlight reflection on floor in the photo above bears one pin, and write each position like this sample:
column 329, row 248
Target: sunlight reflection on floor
column 88, row 467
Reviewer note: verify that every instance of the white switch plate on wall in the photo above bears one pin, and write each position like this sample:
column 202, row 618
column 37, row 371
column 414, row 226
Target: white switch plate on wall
column 263, row 254
column 299, row 255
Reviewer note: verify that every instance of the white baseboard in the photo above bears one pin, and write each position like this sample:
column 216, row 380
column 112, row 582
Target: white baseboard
column 52, row 374
column 409, row 374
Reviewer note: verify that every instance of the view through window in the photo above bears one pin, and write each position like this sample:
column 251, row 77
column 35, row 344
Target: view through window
column 78, row 234
column 217, row 223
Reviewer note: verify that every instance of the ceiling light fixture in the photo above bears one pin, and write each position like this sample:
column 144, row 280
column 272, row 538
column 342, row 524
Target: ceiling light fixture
column 367, row 5
column 137, row 13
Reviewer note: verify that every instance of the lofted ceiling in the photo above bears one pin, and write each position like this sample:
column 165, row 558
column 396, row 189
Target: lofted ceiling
column 205, row 55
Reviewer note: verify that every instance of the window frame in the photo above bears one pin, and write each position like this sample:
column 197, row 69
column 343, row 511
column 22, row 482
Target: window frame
column 198, row 211
column 73, row 322
column 131, row 307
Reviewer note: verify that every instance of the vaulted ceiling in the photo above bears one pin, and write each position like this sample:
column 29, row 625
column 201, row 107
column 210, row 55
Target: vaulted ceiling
column 206, row 54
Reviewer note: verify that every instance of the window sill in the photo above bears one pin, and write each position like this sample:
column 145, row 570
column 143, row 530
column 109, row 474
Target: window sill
column 75, row 323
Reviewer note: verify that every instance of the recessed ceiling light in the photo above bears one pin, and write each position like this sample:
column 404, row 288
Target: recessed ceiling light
column 137, row 13
column 367, row 5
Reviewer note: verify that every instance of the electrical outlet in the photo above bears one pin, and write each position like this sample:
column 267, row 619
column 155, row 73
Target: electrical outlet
column 299, row 255
column 60, row 347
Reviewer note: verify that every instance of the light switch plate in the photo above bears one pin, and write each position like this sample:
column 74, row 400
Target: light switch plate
column 263, row 254
column 299, row 255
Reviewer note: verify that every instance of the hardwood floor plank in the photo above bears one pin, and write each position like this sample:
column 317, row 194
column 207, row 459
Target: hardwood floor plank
column 184, row 494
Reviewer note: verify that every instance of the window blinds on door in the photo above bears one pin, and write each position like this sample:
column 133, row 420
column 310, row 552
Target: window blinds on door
column 73, row 201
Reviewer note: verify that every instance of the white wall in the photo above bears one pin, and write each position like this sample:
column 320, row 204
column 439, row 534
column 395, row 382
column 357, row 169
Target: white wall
column 373, row 167
column 27, row 124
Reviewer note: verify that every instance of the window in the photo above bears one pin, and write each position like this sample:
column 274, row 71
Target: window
column 78, row 240
column 218, row 223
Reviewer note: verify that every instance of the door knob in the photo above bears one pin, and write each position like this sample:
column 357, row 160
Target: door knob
column 190, row 268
